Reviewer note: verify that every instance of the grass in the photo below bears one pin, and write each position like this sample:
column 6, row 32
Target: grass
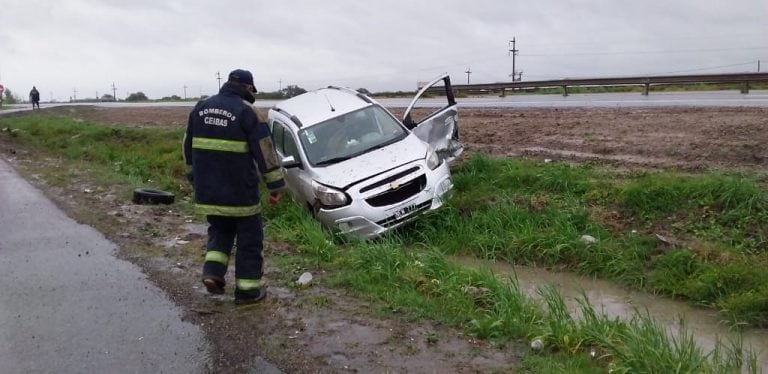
column 518, row 211
column 139, row 156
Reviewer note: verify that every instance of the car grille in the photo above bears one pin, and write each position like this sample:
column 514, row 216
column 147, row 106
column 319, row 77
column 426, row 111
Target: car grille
column 388, row 179
column 403, row 192
column 394, row 219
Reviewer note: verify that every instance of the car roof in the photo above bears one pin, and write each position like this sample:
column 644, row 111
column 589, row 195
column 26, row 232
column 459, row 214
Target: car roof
column 317, row 106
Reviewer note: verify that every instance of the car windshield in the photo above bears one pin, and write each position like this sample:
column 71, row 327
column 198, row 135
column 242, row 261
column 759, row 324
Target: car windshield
column 350, row 135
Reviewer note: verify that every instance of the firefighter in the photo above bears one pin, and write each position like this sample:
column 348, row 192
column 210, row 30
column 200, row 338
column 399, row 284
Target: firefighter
column 229, row 150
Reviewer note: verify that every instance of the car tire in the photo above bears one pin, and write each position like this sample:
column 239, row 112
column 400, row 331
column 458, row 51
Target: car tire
column 150, row 196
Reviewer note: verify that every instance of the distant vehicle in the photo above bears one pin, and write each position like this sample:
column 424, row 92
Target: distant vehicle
column 356, row 167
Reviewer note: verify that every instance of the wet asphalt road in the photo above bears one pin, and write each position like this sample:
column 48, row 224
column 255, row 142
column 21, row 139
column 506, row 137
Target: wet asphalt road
column 68, row 305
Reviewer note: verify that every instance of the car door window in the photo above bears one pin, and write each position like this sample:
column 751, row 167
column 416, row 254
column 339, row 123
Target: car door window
column 278, row 134
column 284, row 141
column 289, row 146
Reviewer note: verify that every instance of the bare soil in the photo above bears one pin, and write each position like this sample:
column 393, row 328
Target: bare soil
column 689, row 138
column 319, row 329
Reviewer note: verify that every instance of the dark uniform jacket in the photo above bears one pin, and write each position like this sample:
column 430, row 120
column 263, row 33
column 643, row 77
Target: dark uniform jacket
column 229, row 149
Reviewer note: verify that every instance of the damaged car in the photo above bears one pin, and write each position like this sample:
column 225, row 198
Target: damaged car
column 356, row 167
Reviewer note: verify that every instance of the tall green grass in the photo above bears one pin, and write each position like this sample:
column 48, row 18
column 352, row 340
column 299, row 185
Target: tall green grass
column 146, row 157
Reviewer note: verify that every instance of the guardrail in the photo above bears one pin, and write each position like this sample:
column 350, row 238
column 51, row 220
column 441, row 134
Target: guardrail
column 742, row 78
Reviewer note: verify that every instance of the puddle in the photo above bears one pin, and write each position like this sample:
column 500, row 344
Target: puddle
column 615, row 301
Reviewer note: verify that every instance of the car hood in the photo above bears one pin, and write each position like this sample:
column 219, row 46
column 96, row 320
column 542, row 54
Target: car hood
column 345, row 173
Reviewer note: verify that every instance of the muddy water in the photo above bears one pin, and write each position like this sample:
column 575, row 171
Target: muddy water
column 615, row 301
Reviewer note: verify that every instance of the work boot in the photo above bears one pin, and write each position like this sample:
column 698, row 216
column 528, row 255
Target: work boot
column 213, row 285
column 252, row 297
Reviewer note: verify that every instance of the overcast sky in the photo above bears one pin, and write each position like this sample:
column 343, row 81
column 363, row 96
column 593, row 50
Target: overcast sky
column 160, row 46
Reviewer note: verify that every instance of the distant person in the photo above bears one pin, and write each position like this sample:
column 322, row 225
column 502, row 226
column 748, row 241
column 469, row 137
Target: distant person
column 230, row 149
column 34, row 97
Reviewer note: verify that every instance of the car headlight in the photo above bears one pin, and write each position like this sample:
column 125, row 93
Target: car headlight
column 432, row 160
column 329, row 197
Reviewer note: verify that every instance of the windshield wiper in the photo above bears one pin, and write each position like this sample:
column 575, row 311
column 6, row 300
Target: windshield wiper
column 388, row 142
column 333, row 160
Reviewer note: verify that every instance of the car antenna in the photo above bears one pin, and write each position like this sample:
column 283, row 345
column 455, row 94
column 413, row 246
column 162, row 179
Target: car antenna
column 329, row 103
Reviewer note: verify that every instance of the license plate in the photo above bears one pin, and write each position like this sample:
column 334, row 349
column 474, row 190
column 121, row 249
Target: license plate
column 402, row 212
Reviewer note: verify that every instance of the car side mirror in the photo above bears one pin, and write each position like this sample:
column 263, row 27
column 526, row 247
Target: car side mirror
column 290, row 162
column 408, row 122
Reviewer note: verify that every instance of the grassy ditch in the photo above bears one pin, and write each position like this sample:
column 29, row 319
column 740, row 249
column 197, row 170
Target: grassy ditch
column 514, row 210
column 418, row 282
column 699, row 237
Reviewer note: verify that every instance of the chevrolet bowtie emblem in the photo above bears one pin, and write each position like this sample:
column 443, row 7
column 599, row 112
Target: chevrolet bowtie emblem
column 394, row 185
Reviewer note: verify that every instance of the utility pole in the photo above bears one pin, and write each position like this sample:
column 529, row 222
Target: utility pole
column 74, row 94
column 218, row 77
column 468, row 73
column 114, row 92
column 513, row 51
column 758, row 66
column 281, row 84
column 185, row 92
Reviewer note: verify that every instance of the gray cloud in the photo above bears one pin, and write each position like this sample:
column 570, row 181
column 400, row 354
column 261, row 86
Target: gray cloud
column 160, row 47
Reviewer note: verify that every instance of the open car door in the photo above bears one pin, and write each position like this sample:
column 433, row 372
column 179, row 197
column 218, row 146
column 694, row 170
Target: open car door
column 441, row 128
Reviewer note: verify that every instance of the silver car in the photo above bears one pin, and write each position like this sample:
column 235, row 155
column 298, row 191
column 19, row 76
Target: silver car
column 356, row 167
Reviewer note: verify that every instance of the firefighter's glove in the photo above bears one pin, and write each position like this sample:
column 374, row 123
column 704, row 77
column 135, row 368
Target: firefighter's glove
column 274, row 197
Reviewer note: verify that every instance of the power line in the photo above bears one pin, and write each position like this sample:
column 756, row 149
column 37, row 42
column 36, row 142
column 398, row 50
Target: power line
column 710, row 68
column 483, row 60
column 646, row 52
column 746, row 63
column 591, row 42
